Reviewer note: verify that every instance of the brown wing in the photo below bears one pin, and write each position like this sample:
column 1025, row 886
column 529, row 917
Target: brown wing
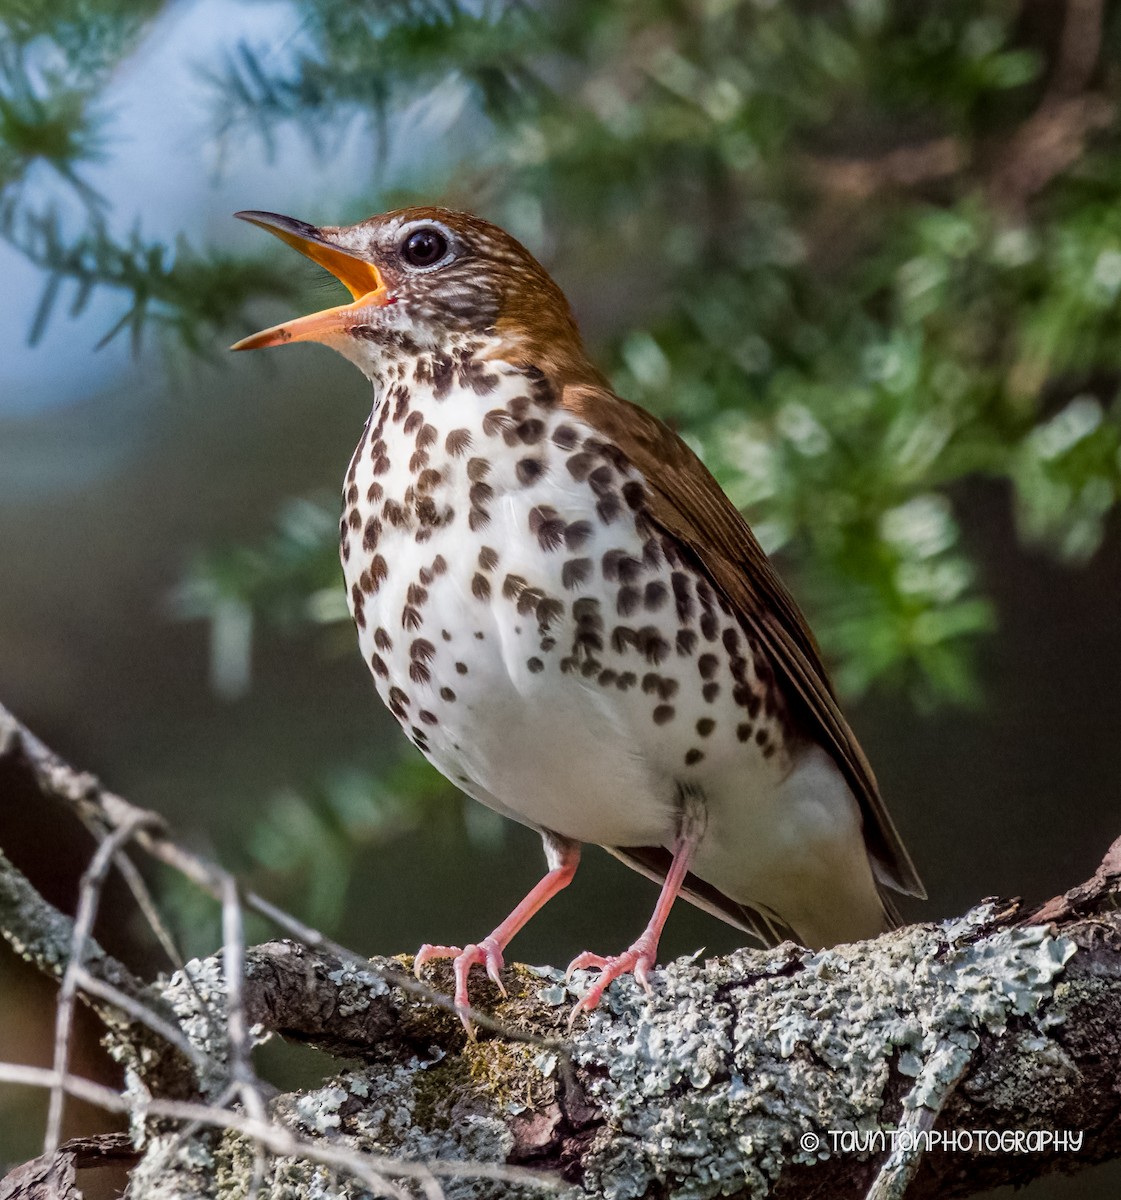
column 688, row 503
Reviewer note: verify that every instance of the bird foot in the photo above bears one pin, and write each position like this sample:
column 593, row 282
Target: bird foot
column 487, row 953
column 639, row 960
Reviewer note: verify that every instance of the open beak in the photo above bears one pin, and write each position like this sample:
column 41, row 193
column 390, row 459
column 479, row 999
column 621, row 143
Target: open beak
column 361, row 279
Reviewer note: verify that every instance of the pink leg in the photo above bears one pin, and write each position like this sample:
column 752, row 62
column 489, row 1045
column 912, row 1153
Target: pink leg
column 563, row 858
column 642, row 956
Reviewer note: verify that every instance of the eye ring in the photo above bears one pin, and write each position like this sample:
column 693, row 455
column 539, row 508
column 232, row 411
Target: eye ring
column 424, row 247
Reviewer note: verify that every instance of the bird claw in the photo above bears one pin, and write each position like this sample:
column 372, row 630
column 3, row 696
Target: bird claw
column 637, row 961
column 486, row 953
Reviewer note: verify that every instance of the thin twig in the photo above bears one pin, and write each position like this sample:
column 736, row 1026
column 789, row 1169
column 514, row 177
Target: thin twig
column 89, row 898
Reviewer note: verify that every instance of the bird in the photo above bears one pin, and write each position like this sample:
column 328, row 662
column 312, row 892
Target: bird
column 568, row 616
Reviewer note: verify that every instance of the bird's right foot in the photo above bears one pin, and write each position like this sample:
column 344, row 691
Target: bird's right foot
column 487, row 953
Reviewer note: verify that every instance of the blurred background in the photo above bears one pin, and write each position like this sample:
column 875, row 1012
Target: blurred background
column 865, row 255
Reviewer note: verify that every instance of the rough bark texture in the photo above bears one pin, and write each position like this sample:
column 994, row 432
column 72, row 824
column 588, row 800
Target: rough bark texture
column 727, row 1080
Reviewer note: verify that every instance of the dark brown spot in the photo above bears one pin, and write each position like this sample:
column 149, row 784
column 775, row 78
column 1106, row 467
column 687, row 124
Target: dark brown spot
column 705, row 726
column 547, row 527
column 381, row 465
column 477, row 518
column 634, row 494
column 429, row 718
column 609, row 508
column 565, row 436
column 416, row 594
column 496, row 421
column 627, row 601
column 708, row 664
column 655, row 595
column 378, row 663
column 744, row 731
column 461, row 668
column 623, row 636
column 414, row 421
column 535, row 665
column 548, row 610
column 529, row 470
column 447, row 694
column 652, row 553
column 651, row 643
column 374, row 492
column 587, row 639
column 768, row 750
column 477, row 468
column 576, row 534
column 488, row 558
column 426, row 437
column 575, row 571
column 382, row 639
column 760, row 737
column 353, row 518
column 709, row 626
column 528, row 602
column 731, row 641
column 606, row 678
column 371, row 534
column 410, row 617
column 394, row 513
column 480, row 587
column 580, row 466
column 586, row 612
column 601, row 480
column 428, row 479
column 683, row 597
column 418, row 672
column 439, row 565
column 513, row 586
column 422, row 649
column 458, row 442
column 710, row 691
column 480, row 493
column 694, row 756
column 627, row 680
column 663, row 713
column 686, row 642
column 352, row 494
column 378, row 570
column 531, row 431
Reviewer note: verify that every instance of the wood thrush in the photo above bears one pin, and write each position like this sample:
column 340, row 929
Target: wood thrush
column 567, row 615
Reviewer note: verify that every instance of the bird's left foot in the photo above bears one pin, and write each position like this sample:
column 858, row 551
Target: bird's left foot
column 639, row 961
column 487, row 953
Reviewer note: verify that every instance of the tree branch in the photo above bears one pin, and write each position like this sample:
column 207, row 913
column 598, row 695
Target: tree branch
column 782, row 1071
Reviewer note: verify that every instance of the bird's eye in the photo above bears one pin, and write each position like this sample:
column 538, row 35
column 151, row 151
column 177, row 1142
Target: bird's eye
column 424, row 247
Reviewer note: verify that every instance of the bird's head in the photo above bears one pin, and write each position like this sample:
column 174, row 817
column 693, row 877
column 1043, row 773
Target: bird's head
column 423, row 280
